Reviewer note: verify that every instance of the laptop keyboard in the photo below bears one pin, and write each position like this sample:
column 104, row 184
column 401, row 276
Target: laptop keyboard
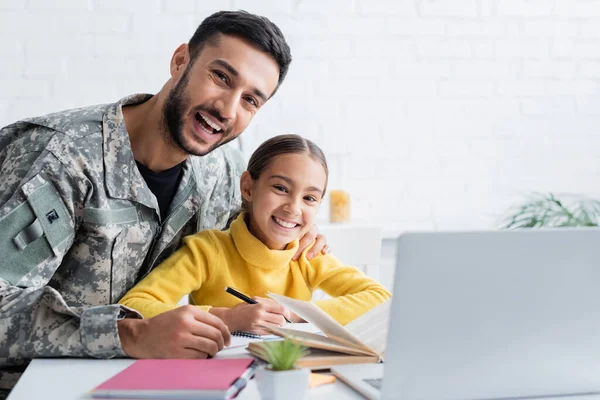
column 376, row 383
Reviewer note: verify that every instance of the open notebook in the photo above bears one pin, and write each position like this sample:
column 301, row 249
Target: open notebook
column 361, row 341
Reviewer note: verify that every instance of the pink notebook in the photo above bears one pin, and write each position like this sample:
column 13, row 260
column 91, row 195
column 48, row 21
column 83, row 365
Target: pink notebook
column 180, row 379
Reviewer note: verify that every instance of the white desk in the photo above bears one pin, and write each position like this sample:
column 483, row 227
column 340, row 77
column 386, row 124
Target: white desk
column 72, row 379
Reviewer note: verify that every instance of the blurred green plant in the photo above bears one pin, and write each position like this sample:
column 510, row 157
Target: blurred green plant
column 546, row 210
column 281, row 355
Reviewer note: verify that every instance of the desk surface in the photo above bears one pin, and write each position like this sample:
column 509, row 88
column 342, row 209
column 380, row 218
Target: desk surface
column 72, row 379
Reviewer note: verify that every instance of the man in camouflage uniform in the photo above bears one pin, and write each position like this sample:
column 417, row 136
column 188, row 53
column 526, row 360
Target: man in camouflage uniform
column 80, row 225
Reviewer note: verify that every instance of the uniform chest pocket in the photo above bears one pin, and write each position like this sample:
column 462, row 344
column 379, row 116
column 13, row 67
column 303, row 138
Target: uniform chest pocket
column 102, row 226
column 119, row 242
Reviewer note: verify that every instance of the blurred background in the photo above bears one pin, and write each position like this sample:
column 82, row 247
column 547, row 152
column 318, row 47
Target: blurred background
column 434, row 114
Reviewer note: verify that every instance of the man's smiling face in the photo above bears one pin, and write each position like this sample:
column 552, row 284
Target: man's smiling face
column 217, row 94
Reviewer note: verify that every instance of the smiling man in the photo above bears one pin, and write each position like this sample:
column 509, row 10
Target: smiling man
column 92, row 199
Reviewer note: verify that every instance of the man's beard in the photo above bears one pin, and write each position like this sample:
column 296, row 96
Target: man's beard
column 176, row 104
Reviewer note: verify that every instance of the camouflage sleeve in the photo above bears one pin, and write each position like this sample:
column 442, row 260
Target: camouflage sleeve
column 219, row 175
column 40, row 203
column 235, row 166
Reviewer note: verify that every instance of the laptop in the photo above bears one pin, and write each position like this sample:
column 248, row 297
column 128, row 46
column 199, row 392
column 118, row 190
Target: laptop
column 490, row 315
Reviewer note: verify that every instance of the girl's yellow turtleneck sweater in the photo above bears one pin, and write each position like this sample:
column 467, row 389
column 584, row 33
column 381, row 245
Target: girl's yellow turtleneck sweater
column 211, row 260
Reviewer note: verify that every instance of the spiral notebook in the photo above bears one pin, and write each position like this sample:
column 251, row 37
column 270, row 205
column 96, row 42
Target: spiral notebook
column 244, row 334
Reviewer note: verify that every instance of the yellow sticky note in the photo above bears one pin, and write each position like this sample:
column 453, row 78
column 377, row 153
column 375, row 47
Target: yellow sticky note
column 320, row 379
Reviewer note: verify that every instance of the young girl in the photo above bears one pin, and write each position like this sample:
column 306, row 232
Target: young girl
column 281, row 190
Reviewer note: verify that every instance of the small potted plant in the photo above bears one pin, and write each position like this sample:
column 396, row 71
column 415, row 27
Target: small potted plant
column 279, row 379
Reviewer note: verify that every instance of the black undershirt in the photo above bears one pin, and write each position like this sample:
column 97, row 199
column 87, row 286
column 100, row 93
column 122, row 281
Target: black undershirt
column 163, row 184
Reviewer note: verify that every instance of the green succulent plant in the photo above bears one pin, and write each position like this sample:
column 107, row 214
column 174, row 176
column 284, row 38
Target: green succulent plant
column 281, row 355
column 546, row 210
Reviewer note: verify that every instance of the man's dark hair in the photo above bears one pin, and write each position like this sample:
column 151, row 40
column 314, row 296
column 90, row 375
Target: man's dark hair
column 258, row 30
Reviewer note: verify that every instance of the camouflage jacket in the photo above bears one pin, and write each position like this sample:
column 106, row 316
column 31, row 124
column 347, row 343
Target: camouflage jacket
column 79, row 227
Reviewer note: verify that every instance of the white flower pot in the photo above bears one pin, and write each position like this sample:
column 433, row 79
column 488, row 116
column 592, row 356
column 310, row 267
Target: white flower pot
column 278, row 385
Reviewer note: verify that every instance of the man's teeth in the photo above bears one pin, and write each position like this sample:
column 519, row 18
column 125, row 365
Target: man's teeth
column 211, row 124
column 285, row 224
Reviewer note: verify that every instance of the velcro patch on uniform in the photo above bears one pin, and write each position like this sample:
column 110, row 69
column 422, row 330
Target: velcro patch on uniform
column 17, row 260
column 29, row 234
column 102, row 216
column 179, row 219
column 50, row 210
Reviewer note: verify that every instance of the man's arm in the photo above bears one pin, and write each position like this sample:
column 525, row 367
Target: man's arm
column 36, row 322
column 41, row 200
column 39, row 196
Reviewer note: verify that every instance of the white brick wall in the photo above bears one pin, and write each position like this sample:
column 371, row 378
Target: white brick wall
column 435, row 114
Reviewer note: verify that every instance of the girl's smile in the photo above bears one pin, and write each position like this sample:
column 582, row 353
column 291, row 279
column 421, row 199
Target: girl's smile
column 285, row 224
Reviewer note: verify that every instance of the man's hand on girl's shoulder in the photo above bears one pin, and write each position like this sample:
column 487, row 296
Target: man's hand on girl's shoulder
column 320, row 245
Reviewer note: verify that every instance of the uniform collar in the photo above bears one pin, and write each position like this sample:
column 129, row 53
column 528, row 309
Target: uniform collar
column 123, row 179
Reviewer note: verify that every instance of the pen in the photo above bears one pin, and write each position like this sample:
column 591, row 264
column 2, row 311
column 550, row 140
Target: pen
column 245, row 298
column 242, row 381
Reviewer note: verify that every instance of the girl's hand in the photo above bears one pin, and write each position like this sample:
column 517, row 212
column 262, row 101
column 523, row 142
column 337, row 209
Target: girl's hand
column 246, row 317
column 305, row 241
column 296, row 318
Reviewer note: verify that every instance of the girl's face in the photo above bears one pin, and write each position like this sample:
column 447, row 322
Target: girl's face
column 284, row 200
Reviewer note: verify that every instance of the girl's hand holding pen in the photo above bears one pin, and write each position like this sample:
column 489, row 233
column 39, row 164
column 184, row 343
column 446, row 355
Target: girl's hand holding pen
column 246, row 317
column 288, row 315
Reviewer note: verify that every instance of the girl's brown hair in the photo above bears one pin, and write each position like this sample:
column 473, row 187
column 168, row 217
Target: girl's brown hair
column 284, row 144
